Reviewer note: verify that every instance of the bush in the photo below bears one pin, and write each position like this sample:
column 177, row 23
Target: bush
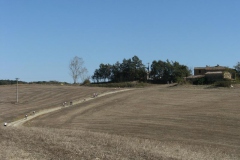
column 183, row 81
column 86, row 82
column 226, row 83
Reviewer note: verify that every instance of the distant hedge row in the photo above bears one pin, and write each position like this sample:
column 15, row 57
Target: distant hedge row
column 11, row 82
column 119, row 85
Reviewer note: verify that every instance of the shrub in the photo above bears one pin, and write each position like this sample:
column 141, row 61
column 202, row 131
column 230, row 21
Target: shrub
column 86, row 82
column 226, row 83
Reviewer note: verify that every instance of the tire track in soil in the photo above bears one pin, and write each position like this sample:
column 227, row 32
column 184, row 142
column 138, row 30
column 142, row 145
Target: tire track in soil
column 20, row 122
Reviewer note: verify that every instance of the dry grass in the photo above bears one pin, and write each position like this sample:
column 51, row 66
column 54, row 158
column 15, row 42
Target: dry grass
column 46, row 143
column 38, row 97
column 40, row 143
column 161, row 122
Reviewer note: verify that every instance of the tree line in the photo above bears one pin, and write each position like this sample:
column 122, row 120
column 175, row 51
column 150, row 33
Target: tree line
column 133, row 69
column 12, row 82
column 129, row 70
column 162, row 72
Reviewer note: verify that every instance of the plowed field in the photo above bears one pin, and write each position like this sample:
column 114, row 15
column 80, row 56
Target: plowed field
column 160, row 122
column 38, row 97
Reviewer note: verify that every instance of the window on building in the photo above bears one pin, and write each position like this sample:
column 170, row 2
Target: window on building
column 199, row 71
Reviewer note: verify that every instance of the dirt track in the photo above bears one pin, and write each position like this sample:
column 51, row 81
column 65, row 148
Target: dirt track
column 42, row 112
column 39, row 97
column 160, row 122
column 194, row 117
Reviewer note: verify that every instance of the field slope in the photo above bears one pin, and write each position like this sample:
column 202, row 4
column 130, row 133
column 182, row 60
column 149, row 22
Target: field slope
column 160, row 122
column 38, row 97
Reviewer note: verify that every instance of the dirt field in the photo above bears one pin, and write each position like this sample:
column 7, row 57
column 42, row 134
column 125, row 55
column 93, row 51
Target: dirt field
column 38, row 97
column 160, row 122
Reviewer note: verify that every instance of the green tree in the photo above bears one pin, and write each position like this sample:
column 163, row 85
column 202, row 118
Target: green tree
column 161, row 71
column 139, row 69
column 129, row 70
column 96, row 75
column 237, row 67
column 116, row 72
column 157, row 70
column 105, row 71
column 180, row 71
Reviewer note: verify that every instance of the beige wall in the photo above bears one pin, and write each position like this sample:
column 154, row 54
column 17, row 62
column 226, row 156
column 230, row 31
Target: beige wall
column 227, row 75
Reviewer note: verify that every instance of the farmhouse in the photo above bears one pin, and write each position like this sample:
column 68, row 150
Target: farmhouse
column 212, row 74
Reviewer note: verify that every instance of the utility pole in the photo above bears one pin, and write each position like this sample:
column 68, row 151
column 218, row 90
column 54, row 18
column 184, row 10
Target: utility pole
column 148, row 71
column 148, row 67
column 17, row 89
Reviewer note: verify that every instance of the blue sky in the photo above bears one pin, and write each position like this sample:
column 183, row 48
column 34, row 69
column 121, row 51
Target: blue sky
column 39, row 38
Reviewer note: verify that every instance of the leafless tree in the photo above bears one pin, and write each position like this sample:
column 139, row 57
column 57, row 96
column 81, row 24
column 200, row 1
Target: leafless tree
column 77, row 69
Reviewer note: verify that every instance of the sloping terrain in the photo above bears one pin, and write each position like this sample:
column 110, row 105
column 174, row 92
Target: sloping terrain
column 203, row 121
column 47, row 144
column 38, row 97
column 160, row 122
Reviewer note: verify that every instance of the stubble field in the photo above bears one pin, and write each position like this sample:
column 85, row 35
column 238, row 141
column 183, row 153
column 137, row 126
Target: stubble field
column 38, row 97
column 159, row 122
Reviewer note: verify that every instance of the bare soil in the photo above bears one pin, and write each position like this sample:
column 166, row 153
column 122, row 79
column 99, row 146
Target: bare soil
column 38, row 97
column 160, row 122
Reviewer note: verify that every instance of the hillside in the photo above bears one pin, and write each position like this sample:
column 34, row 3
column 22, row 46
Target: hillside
column 160, row 122
column 38, row 97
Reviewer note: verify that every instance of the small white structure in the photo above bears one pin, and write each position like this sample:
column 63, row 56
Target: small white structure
column 5, row 124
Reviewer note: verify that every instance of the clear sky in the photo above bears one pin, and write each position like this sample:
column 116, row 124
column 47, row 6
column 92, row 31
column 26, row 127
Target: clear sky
column 38, row 38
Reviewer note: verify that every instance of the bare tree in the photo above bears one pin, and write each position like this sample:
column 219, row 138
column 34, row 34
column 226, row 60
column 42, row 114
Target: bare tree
column 77, row 69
